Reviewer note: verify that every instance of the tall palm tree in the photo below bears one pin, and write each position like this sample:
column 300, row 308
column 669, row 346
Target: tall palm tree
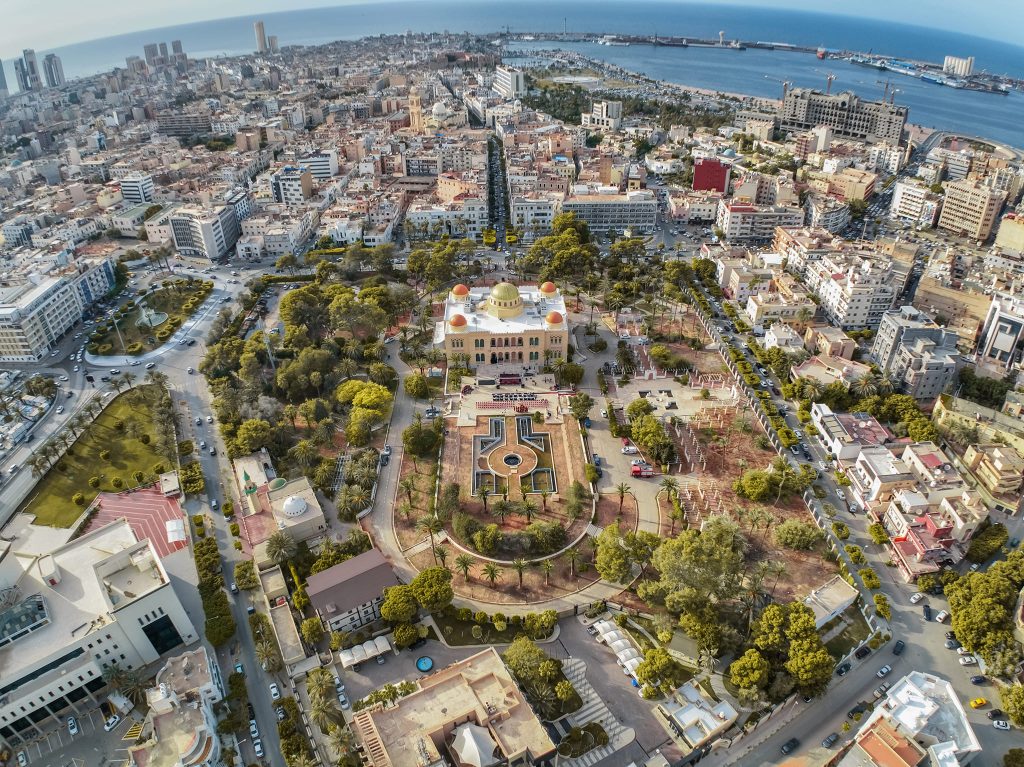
column 777, row 569
column 546, row 566
column 544, row 499
column 441, row 555
column 320, row 684
column 887, row 384
column 669, row 486
column 301, row 759
column 304, row 453
column 406, row 485
column 324, row 712
column 865, row 386
column 491, row 572
column 463, row 562
column 341, row 740
column 769, row 520
column 501, row 509
column 405, row 510
column 519, row 565
column 572, row 556
column 129, row 378
column 280, row 547
column 527, row 508
column 622, row 489
column 432, row 526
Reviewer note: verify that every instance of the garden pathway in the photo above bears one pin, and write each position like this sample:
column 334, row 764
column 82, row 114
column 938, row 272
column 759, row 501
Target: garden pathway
column 594, row 709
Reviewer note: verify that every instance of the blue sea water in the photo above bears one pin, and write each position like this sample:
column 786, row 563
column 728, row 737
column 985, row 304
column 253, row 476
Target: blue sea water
column 995, row 116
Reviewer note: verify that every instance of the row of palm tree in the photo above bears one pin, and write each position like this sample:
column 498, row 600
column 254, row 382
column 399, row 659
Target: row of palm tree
column 492, row 573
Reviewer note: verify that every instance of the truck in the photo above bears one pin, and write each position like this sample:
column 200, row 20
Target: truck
column 642, row 471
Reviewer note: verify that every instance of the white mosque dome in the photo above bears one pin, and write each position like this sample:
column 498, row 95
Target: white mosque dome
column 294, row 506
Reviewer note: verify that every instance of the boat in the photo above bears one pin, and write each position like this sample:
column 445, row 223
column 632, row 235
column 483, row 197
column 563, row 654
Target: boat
column 864, row 61
column 820, row 53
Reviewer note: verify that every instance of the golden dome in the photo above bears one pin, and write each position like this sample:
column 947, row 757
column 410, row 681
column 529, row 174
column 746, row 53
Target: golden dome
column 460, row 291
column 504, row 291
column 553, row 318
column 548, row 288
column 457, row 321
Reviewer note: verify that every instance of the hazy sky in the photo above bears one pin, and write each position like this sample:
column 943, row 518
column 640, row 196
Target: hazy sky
column 49, row 24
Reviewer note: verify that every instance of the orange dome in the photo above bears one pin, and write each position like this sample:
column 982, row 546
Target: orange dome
column 553, row 318
column 460, row 290
column 457, row 321
column 548, row 287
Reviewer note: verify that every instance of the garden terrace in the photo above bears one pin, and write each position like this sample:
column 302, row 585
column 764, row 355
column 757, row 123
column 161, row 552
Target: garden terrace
column 167, row 308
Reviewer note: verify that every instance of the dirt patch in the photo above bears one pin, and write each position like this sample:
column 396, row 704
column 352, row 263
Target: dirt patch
column 608, row 511
column 409, row 510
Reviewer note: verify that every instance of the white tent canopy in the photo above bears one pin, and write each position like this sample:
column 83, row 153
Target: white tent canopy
column 629, row 654
column 613, row 636
column 619, row 646
column 371, row 648
column 382, row 645
column 474, row 745
column 603, row 627
column 630, row 665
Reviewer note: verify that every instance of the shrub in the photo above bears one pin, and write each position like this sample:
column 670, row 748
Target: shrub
column 882, row 606
column 986, row 543
column 841, row 530
column 856, row 555
column 138, row 476
column 870, row 578
column 235, row 529
column 186, row 447
column 464, row 526
column 877, row 533
column 105, row 455
column 794, row 534
column 117, row 482
column 481, row 617
column 94, row 482
column 78, row 499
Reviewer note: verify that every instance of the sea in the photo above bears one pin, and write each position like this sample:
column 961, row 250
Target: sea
column 756, row 72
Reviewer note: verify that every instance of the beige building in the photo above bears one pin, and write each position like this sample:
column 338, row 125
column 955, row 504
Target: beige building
column 964, row 311
column 696, row 719
column 970, row 209
column 1011, row 233
column 828, row 341
column 469, row 713
column 1000, row 469
column 506, row 325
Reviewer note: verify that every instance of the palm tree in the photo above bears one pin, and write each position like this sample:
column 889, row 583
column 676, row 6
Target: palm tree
column 544, row 499
column 519, row 565
column 126, row 681
column 777, row 569
column 492, row 572
column 406, row 485
column 353, row 499
column 463, row 562
column 304, row 453
column 341, row 740
column 887, row 384
column 441, row 555
column 128, row 378
column 501, row 509
column 528, row 508
column 405, row 510
column 320, row 684
column 39, row 465
column 811, row 388
column 572, row 556
column 280, row 547
column 266, row 655
column 482, row 492
column 865, row 386
column 769, row 520
column 301, row 760
column 432, row 526
column 324, row 712
column 669, row 486
column 546, row 566
column 622, row 489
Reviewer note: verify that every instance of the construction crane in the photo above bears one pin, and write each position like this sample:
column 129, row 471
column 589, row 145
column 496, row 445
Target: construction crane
column 890, row 93
column 785, row 85
column 828, row 83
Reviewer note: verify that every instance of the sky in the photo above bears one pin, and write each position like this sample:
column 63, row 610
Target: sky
column 50, row 24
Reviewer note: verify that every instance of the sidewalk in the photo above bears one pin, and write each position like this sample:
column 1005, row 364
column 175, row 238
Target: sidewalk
column 594, row 709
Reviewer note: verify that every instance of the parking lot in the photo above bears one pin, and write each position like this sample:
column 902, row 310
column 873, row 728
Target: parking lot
column 91, row 746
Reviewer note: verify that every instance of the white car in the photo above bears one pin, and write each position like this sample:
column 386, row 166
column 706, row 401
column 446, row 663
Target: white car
column 22, row 759
column 60, row 409
column 883, row 671
column 63, row 378
column 72, row 725
column 968, row 660
column 111, row 723
column 1001, row 724
column 257, row 746
column 150, row 365
column 275, row 691
column 76, row 368
column 629, row 450
column 624, row 336
column 915, row 598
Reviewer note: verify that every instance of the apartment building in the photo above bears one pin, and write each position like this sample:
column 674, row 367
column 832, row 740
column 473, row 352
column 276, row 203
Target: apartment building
column 603, row 116
column 925, row 368
column 461, row 218
column 322, row 165
column 845, row 434
column 711, row 174
column 875, row 475
column 510, row 82
column 826, row 212
column 349, row 595
column 634, row 211
column 746, row 222
column 929, row 531
column 848, row 115
column 828, row 341
column 999, row 468
column 533, row 212
column 46, row 297
column 785, row 300
column 137, row 188
column 1002, row 331
column 970, row 209
column 855, row 288
column 183, row 124
column 101, row 599
column 915, row 202
column 200, row 233
column 291, row 185
column 935, row 472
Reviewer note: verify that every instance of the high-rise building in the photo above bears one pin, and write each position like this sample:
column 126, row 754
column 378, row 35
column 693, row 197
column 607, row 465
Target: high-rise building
column 35, row 80
column 272, row 43
column 163, row 52
column 22, row 74
column 509, row 82
column 970, row 209
column 151, row 51
column 604, row 115
column 137, row 188
column 202, row 233
column 176, row 48
column 4, row 93
column 53, row 69
column 711, row 174
column 261, row 37
column 846, row 113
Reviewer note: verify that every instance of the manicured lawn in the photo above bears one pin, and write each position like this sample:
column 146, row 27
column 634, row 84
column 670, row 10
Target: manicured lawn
column 856, row 633
column 178, row 300
column 580, row 740
column 51, row 498
column 458, row 632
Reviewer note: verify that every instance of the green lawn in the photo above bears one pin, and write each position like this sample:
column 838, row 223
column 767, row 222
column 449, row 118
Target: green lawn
column 177, row 300
column 855, row 634
column 51, row 499
column 458, row 632
column 580, row 740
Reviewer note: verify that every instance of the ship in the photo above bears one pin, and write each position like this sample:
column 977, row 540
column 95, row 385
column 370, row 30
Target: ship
column 610, row 40
column 820, row 53
column 864, row 61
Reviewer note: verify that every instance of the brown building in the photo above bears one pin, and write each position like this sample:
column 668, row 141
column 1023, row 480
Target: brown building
column 348, row 595
column 970, row 209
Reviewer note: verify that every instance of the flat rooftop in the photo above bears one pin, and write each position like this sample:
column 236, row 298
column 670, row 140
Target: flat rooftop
column 478, row 320
column 79, row 602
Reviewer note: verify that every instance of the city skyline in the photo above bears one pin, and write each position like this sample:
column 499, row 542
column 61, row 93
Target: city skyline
column 58, row 24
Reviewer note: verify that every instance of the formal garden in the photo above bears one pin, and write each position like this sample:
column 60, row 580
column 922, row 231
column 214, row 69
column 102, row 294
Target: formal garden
column 148, row 321
column 125, row 444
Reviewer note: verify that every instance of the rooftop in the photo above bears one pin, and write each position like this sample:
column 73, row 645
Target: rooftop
column 354, row 582
column 535, row 308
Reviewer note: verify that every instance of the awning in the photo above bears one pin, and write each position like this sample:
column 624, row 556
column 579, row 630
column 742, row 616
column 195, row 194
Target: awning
column 620, row 645
column 474, row 745
column 631, row 664
column 603, row 627
column 613, row 636
column 629, row 654
column 383, row 645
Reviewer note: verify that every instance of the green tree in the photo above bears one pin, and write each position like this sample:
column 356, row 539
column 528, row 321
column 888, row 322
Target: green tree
column 580, row 405
column 281, row 547
column 312, row 630
column 463, row 563
column 750, row 670
column 611, row 560
column 658, row 669
column 416, row 386
column 399, row 605
column 794, row 534
column 432, row 588
column 1013, row 703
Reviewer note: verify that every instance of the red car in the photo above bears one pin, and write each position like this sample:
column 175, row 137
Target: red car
column 625, row 442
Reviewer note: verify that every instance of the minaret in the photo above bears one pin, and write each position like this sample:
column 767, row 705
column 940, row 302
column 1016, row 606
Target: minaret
column 415, row 111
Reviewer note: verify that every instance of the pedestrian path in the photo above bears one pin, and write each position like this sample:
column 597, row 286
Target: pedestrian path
column 594, row 709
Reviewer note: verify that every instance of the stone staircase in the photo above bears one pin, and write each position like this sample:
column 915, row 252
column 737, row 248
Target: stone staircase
column 593, row 709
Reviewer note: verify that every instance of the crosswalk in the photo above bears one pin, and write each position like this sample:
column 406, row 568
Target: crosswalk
column 593, row 710
column 133, row 732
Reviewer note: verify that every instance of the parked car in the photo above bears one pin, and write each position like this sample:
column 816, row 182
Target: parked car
column 941, row 617
column 843, row 669
column 927, row 612
column 1001, row 724
column 979, row 703
column 897, row 649
column 257, row 746
column 150, row 365
column 860, row 708
column 279, row 713
column 629, row 450
column 72, row 725
column 343, row 701
column 239, row 668
column 968, row 660
column 862, row 652
column 22, row 759
column 111, row 723
column 883, row 671
column 790, row 746
column 275, row 691
column 917, row 597
column 830, row 740
column 996, row 713
column 978, row 679
column 254, row 730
